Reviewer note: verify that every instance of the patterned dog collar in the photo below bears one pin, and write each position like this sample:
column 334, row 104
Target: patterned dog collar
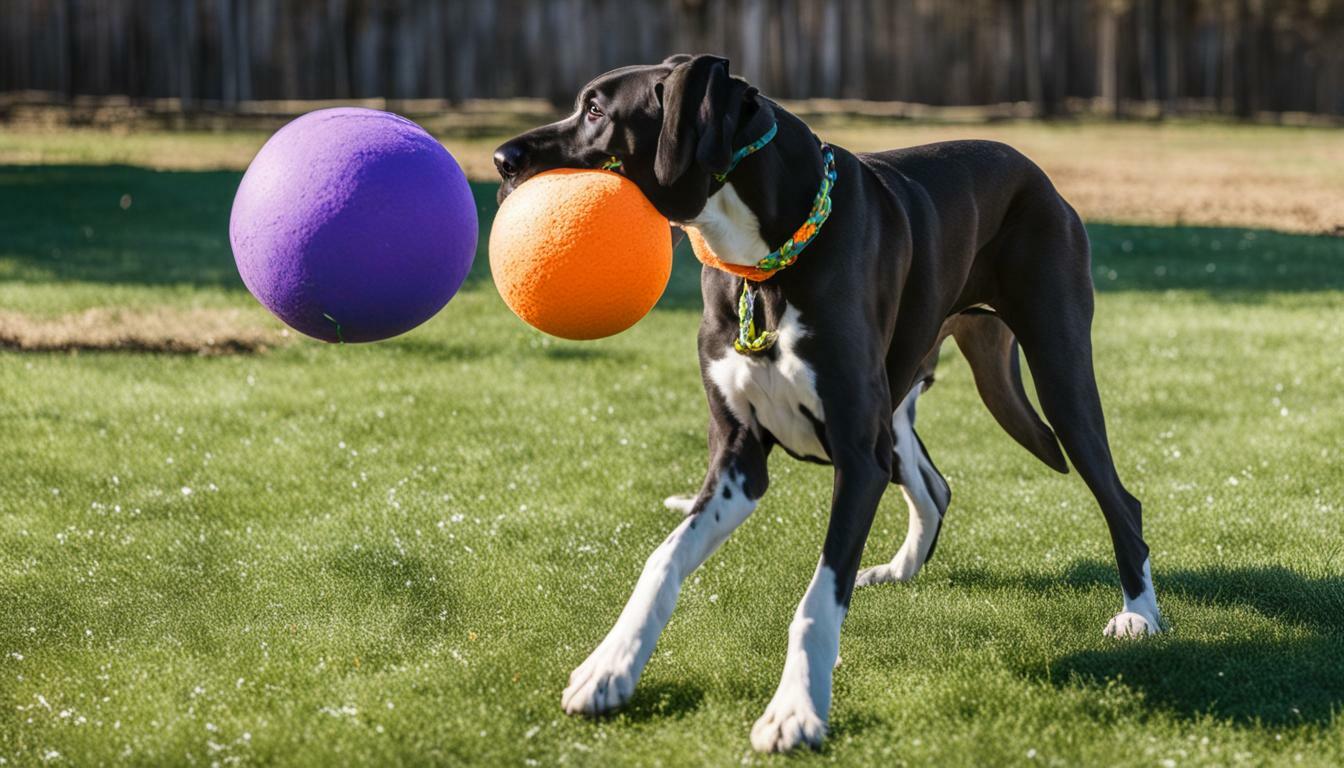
column 751, row 148
column 787, row 253
column 751, row 340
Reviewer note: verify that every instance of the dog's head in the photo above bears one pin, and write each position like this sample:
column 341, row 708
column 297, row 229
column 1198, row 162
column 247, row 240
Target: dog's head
column 671, row 125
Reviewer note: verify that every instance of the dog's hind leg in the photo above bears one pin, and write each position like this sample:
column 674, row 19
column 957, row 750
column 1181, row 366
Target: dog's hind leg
column 735, row 482
column 1068, row 392
column 926, row 497
column 1056, row 338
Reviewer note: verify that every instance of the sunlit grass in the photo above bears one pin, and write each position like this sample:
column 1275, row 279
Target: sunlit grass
column 395, row 553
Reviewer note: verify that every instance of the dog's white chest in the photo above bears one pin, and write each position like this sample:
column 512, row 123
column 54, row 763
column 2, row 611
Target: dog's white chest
column 730, row 228
column 779, row 395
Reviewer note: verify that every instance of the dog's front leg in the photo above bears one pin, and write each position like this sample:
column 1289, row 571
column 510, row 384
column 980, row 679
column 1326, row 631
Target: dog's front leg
column 735, row 482
column 800, row 709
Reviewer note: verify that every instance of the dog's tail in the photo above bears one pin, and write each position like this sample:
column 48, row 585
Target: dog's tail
column 991, row 349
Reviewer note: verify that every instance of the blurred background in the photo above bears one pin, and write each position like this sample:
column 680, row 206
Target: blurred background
column 1155, row 111
column 1247, row 58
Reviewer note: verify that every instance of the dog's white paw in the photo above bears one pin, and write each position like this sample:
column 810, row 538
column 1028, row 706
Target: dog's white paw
column 878, row 574
column 788, row 723
column 682, row 504
column 902, row 567
column 603, row 682
column 1131, row 624
column 895, row 572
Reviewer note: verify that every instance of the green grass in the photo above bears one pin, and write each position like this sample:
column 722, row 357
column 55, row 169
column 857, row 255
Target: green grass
column 395, row 553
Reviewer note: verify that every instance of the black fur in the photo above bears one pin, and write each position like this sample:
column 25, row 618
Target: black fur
column 917, row 237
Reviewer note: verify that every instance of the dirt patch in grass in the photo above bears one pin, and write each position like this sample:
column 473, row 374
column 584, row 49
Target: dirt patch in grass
column 204, row 332
column 1165, row 174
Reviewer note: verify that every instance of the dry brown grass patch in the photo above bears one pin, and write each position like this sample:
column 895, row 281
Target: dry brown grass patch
column 1177, row 174
column 205, row 332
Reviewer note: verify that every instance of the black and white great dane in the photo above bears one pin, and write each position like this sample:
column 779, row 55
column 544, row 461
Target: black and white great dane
column 962, row 238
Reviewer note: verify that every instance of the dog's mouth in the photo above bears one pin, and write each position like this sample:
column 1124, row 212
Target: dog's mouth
column 508, row 183
column 526, row 156
column 512, row 176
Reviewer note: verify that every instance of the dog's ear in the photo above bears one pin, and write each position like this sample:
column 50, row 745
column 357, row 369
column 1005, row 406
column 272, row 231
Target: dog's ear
column 701, row 107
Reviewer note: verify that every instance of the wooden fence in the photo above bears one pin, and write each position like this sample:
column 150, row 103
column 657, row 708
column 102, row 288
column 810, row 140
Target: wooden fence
column 1234, row 56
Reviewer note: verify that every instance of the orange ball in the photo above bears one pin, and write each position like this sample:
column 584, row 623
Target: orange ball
column 580, row 254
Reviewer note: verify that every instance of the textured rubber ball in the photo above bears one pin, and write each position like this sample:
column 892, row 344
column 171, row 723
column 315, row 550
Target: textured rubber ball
column 580, row 254
column 353, row 225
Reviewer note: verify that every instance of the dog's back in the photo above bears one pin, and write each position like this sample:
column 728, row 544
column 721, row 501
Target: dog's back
column 964, row 192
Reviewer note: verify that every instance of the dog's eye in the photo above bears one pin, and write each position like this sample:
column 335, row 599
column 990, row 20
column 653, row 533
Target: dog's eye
column 594, row 111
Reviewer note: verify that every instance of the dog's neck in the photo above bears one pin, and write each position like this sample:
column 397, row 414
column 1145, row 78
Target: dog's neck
column 765, row 199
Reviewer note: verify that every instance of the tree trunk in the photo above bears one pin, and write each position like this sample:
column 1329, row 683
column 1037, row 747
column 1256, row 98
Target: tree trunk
column 187, row 52
column 224, row 16
column 338, row 35
column 1171, row 55
column 1145, row 20
column 1033, row 54
column 1244, row 64
column 1108, row 68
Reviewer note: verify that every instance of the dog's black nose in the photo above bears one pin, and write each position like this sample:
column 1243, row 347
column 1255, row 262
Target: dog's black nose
column 509, row 159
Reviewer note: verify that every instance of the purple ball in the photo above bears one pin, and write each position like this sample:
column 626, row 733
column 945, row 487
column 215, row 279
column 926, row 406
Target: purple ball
column 353, row 225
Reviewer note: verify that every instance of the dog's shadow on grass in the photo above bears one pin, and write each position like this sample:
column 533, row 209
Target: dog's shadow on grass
column 1271, row 682
column 1293, row 677
column 662, row 700
column 428, row 348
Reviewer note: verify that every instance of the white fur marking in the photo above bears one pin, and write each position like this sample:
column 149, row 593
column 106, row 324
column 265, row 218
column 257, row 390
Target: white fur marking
column 730, row 229
column 607, row 678
column 924, row 515
column 1140, row 616
column 776, row 389
column 802, row 704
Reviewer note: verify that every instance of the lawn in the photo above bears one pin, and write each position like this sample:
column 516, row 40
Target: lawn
column 395, row 553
